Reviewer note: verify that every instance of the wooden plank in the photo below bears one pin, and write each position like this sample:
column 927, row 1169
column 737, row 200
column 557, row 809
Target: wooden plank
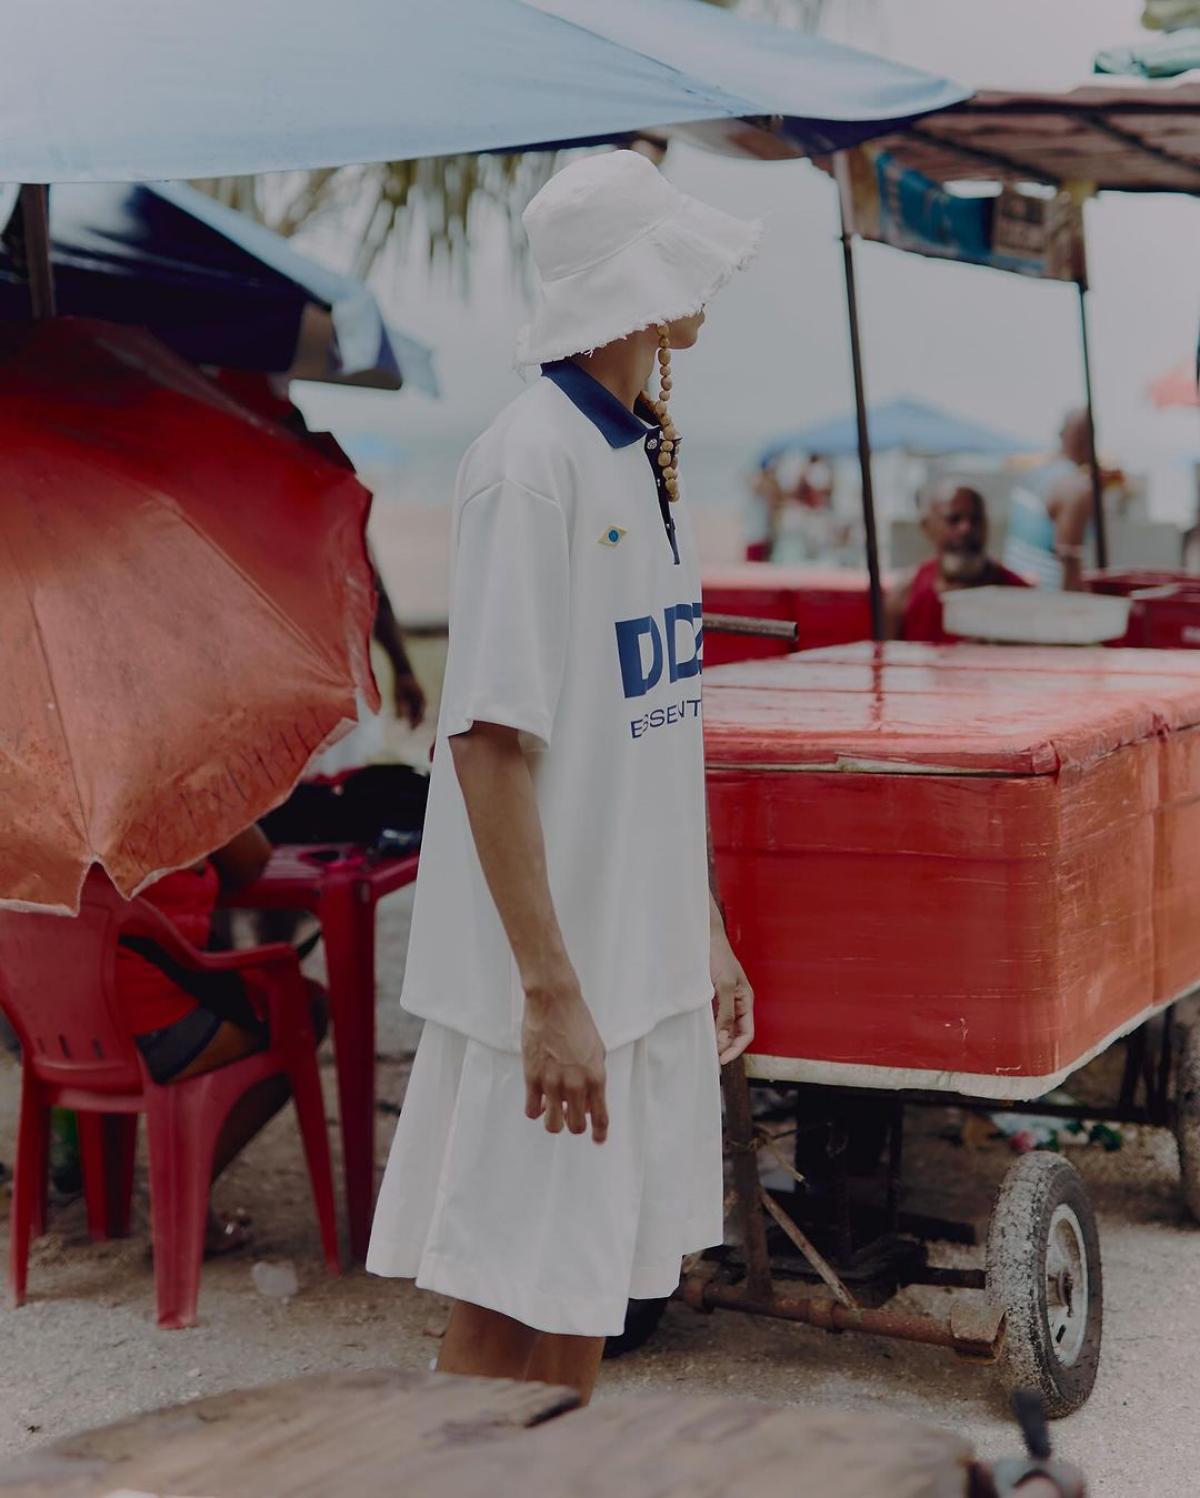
column 332, row 1434
column 344, row 1436
column 670, row 1446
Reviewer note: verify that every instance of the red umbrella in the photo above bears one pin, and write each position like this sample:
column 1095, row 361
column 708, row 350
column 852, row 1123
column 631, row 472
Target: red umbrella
column 185, row 606
column 1176, row 388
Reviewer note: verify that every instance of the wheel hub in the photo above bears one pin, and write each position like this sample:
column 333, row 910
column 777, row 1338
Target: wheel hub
column 1066, row 1285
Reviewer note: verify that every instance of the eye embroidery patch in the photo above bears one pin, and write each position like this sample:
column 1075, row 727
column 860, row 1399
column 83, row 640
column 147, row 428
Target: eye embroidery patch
column 613, row 536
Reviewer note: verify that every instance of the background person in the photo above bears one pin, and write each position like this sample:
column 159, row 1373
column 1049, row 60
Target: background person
column 954, row 517
column 184, row 1029
column 1051, row 513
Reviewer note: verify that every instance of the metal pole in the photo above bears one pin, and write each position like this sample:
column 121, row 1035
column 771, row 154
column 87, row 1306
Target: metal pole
column 860, row 401
column 1093, row 460
column 743, row 1152
column 35, row 225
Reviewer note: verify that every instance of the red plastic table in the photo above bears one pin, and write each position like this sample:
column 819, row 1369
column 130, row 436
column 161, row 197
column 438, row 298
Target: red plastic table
column 341, row 887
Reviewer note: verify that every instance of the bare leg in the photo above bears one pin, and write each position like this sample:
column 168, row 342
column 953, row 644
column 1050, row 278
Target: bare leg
column 572, row 1362
column 485, row 1343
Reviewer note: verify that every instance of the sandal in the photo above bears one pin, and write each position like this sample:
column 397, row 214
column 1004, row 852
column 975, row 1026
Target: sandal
column 227, row 1233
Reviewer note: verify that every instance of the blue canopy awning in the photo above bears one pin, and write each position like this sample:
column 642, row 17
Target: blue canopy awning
column 900, row 426
column 139, row 90
column 213, row 285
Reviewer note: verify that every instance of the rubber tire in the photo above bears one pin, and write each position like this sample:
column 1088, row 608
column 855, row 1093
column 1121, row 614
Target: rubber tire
column 641, row 1322
column 1016, row 1280
column 1187, row 1118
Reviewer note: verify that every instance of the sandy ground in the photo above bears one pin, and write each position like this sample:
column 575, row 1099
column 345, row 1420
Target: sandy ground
column 84, row 1350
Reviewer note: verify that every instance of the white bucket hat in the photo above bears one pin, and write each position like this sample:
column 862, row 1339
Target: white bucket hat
column 619, row 249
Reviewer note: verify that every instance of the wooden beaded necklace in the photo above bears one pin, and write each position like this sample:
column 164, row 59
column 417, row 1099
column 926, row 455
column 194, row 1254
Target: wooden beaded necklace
column 669, row 451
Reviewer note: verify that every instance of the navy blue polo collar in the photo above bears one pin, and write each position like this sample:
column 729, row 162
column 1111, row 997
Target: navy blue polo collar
column 617, row 423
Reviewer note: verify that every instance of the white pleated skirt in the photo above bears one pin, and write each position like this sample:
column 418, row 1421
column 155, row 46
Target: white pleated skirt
column 481, row 1204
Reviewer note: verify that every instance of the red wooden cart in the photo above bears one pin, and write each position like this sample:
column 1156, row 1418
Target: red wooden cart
column 956, row 874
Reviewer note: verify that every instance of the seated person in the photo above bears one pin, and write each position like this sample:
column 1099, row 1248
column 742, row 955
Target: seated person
column 954, row 518
column 183, row 1032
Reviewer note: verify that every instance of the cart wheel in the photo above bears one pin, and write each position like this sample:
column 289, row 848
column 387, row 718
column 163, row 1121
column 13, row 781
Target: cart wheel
column 1187, row 1117
column 641, row 1322
column 1043, row 1270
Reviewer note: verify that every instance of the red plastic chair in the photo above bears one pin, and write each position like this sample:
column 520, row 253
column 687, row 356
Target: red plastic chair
column 57, row 986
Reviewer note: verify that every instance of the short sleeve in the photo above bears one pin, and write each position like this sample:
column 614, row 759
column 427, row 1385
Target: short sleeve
column 509, row 613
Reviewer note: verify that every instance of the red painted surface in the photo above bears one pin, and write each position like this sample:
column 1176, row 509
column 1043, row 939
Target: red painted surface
column 1167, row 618
column 894, row 911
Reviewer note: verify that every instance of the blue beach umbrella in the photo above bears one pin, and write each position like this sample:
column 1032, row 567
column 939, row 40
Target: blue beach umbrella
column 213, row 285
column 908, row 426
column 135, row 90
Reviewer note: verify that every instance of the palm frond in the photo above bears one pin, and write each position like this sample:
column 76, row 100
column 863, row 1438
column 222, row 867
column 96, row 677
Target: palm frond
column 426, row 207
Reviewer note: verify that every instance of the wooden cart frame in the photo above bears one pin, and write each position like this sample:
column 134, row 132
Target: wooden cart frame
column 1040, row 1312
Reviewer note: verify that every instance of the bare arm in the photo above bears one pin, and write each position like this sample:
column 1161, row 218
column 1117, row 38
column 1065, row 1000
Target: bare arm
column 410, row 699
column 242, row 859
column 561, row 1047
column 1070, row 507
column 733, row 998
column 895, row 603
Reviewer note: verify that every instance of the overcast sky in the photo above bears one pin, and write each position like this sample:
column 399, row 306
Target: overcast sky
column 995, row 347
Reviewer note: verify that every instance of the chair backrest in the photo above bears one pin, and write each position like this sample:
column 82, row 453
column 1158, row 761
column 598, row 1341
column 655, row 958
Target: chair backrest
column 58, row 988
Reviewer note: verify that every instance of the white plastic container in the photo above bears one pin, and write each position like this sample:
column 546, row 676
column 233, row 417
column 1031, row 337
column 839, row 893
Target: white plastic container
column 1028, row 616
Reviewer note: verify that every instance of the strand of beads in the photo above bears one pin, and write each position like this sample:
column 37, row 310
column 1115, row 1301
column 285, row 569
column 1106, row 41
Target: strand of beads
column 668, row 453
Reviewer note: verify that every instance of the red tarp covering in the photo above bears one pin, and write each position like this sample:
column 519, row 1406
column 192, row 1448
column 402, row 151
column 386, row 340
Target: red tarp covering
column 962, row 867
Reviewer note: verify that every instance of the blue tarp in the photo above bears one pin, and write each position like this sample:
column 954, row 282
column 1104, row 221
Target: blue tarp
column 900, row 426
column 211, row 283
column 139, row 90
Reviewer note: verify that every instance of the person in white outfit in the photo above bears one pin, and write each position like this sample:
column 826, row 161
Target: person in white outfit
column 568, row 955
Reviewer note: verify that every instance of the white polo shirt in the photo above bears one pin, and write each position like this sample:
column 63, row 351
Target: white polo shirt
column 575, row 617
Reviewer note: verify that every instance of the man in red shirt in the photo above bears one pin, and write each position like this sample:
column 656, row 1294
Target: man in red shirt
column 954, row 518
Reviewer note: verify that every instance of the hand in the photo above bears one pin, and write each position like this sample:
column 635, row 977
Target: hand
column 564, row 1059
column 409, row 699
column 733, row 998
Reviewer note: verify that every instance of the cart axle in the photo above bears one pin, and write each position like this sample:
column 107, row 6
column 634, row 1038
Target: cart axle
column 978, row 1338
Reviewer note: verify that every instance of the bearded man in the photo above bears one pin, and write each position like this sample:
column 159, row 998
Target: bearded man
column 954, row 517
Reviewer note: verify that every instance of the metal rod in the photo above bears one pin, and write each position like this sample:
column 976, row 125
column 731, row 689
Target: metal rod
column 860, row 398
column 832, row 1317
column 1093, row 460
column 895, row 1168
column 1161, row 1102
column 35, row 221
column 1098, row 1113
column 809, row 1250
column 737, row 624
column 743, row 1151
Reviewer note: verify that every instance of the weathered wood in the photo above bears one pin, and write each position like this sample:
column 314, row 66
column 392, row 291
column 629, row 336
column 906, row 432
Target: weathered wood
column 673, row 1446
column 332, row 1434
column 420, row 1436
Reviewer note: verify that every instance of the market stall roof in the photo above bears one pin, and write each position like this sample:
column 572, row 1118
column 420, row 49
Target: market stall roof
column 225, row 88
column 899, row 426
column 212, row 284
column 1124, row 135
